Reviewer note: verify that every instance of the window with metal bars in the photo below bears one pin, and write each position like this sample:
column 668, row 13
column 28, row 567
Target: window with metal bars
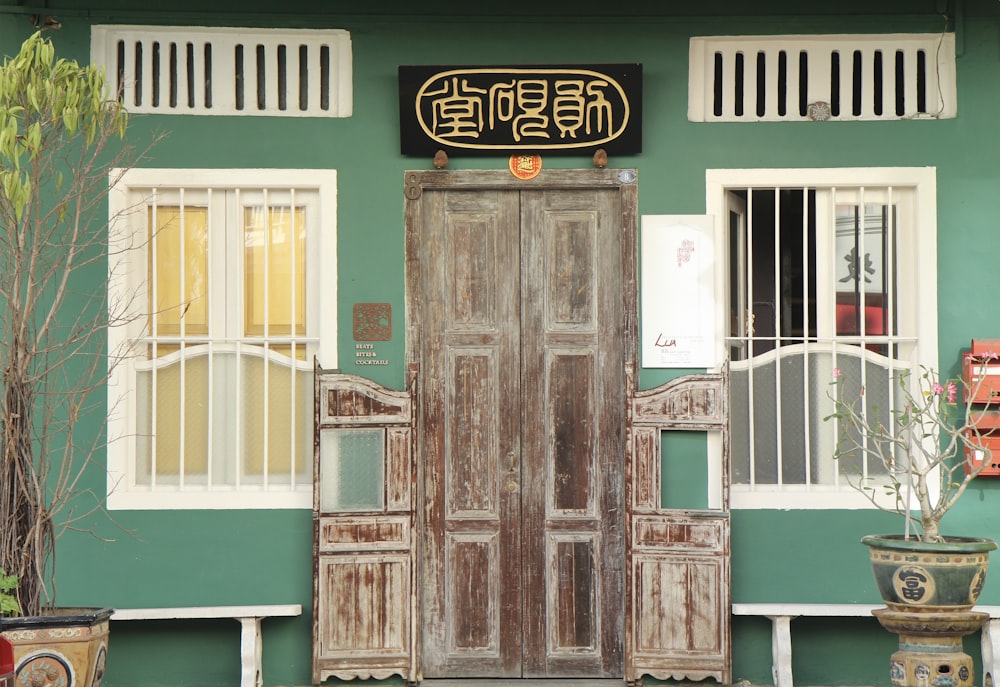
column 215, row 401
column 819, row 276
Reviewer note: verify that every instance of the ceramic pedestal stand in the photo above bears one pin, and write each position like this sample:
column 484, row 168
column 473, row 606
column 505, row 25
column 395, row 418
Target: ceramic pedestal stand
column 930, row 647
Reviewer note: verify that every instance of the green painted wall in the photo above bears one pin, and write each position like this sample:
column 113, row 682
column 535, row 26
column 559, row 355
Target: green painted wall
column 235, row 557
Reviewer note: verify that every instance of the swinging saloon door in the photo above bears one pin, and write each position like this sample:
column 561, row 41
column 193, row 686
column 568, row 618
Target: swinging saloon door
column 520, row 317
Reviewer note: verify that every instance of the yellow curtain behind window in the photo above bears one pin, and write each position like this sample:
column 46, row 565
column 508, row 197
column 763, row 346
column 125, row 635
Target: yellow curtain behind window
column 251, row 407
column 170, row 403
column 275, row 251
column 280, row 425
column 178, row 261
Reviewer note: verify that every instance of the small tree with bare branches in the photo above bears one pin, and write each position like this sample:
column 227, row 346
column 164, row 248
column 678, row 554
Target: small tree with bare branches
column 60, row 135
column 923, row 445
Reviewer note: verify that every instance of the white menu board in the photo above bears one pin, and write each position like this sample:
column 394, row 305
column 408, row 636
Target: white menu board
column 677, row 277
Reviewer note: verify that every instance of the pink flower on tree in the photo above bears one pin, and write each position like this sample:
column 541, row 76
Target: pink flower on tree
column 952, row 392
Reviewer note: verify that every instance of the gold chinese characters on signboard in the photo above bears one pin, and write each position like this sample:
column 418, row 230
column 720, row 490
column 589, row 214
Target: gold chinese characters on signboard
column 520, row 108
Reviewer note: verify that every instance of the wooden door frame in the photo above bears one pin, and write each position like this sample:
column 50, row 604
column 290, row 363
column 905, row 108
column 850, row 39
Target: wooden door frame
column 625, row 181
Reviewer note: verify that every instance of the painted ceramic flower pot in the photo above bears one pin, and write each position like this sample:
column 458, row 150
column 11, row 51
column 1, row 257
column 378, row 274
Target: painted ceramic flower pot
column 67, row 648
column 917, row 576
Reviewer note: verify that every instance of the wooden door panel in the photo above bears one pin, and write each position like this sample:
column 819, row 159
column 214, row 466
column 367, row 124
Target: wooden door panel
column 679, row 606
column 572, row 379
column 570, row 454
column 691, row 402
column 473, row 572
column 472, row 259
column 645, row 464
column 685, row 532
column 371, row 532
column 574, row 607
column 471, row 447
column 399, row 469
column 570, row 256
column 468, row 267
column 368, row 594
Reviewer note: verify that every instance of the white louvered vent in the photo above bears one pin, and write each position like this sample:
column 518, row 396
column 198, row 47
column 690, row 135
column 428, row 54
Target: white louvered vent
column 227, row 71
column 837, row 77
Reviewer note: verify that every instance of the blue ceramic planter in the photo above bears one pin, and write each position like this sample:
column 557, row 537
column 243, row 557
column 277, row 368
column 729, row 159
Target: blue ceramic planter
column 916, row 575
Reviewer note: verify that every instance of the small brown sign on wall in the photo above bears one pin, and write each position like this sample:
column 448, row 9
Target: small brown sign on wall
column 503, row 110
column 372, row 321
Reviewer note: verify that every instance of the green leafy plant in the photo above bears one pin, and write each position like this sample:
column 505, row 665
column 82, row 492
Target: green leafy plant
column 920, row 444
column 60, row 135
column 8, row 602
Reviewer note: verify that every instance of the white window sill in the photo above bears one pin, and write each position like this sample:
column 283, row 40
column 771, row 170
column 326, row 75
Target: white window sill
column 797, row 497
column 216, row 499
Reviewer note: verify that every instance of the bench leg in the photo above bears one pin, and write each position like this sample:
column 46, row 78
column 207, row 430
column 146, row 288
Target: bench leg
column 990, row 646
column 251, row 653
column 781, row 650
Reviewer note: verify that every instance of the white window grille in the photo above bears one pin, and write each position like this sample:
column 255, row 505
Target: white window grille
column 820, row 77
column 824, row 270
column 227, row 71
column 224, row 271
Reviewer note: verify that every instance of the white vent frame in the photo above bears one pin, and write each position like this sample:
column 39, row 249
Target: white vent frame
column 712, row 101
column 196, row 70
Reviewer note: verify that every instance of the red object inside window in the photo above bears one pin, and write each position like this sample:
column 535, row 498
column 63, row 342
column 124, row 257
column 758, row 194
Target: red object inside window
column 847, row 324
column 847, row 320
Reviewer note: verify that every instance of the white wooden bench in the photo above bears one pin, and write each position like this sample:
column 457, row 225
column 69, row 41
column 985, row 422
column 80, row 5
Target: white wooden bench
column 781, row 615
column 249, row 617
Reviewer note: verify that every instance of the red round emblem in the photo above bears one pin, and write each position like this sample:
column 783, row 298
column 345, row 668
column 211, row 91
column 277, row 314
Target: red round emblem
column 525, row 166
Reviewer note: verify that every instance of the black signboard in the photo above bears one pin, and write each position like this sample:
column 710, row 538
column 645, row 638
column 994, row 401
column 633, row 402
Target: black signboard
column 503, row 110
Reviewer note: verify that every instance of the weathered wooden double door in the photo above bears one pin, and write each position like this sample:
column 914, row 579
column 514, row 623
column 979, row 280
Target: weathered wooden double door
column 516, row 318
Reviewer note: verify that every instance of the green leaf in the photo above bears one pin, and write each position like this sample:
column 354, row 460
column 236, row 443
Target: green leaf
column 7, row 582
column 70, row 119
column 8, row 602
column 34, row 139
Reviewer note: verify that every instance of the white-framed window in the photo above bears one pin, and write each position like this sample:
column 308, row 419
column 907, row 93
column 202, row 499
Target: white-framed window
column 227, row 278
column 823, row 269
